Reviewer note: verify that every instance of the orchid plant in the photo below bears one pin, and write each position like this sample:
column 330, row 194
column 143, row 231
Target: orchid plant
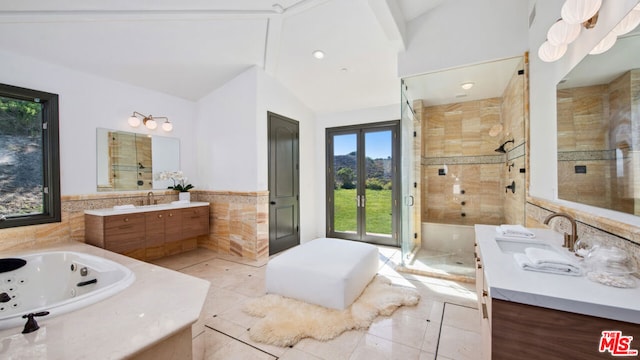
column 178, row 178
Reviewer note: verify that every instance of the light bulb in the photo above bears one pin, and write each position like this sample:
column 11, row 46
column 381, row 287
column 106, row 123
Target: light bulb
column 605, row 44
column 318, row 54
column 563, row 33
column 167, row 126
column 151, row 124
column 550, row 53
column 628, row 23
column 579, row 11
column 133, row 121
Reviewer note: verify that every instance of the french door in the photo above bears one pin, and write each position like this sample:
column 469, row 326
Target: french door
column 363, row 184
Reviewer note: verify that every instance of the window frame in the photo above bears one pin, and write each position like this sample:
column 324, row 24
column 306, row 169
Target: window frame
column 50, row 155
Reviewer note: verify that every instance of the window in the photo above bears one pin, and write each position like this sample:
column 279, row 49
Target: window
column 29, row 157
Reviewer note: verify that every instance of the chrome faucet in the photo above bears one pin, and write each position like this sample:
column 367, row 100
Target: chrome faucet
column 150, row 197
column 569, row 239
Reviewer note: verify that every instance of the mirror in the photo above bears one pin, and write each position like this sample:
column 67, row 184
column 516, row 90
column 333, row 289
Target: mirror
column 598, row 106
column 132, row 161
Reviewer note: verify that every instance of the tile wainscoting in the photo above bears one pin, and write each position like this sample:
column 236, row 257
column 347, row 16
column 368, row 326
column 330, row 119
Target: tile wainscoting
column 239, row 222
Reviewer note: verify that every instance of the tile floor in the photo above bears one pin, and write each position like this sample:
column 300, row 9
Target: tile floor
column 445, row 325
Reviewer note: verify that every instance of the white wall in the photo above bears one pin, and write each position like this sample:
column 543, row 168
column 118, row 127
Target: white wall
column 87, row 102
column 226, row 136
column 233, row 141
column 543, row 80
column 274, row 97
column 464, row 32
column 329, row 120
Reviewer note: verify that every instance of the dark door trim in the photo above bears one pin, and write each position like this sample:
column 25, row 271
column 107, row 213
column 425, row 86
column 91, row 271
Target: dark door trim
column 284, row 209
column 361, row 129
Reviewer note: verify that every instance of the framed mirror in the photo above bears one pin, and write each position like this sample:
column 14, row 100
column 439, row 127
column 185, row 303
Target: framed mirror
column 598, row 107
column 132, row 161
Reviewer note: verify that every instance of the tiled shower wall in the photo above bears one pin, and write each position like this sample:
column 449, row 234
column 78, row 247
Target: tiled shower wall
column 463, row 178
column 238, row 222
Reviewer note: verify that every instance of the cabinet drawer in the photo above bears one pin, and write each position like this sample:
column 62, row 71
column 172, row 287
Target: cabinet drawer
column 124, row 224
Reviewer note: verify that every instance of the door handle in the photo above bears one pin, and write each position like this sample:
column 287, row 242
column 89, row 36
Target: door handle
column 272, row 202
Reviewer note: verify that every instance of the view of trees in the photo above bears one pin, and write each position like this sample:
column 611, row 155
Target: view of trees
column 378, row 172
column 21, row 170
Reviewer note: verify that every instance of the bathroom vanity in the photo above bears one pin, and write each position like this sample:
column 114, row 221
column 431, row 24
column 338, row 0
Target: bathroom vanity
column 535, row 315
column 148, row 232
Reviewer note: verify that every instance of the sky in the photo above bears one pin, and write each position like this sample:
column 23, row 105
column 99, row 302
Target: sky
column 377, row 144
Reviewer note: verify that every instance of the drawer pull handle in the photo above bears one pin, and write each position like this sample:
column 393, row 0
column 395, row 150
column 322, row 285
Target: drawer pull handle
column 479, row 266
column 485, row 293
column 485, row 312
column 126, row 219
column 159, row 216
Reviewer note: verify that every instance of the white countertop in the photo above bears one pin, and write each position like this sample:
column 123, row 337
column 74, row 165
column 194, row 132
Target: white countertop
column 507, row 281
column 145, row 208
column 158, row 304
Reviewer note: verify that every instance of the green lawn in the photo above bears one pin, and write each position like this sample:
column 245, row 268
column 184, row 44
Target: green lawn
column 378, row 211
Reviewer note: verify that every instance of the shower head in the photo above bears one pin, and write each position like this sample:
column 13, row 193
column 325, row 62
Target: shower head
column 501, row 148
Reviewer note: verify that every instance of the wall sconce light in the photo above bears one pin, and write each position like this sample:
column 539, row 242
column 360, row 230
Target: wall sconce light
column 575, row 14
column 149, row 121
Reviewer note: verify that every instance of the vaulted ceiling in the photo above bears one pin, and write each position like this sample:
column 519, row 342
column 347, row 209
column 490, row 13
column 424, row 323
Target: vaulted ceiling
column 189, row 48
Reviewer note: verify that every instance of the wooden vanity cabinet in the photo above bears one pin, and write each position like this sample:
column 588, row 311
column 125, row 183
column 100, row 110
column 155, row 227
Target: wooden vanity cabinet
column 148, row 235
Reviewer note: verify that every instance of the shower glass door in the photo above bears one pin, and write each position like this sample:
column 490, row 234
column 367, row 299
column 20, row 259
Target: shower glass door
column 362, row 171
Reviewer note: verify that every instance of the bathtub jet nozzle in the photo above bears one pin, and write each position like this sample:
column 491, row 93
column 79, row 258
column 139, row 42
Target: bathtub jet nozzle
column 32, row 324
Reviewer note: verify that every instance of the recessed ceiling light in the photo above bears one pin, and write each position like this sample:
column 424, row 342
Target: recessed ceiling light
column 344, row 70
column 277, row 8
column 318, row 54
column 467, row 85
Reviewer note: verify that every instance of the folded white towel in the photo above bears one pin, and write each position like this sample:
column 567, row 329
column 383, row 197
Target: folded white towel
column 546, row 261
column 122, row 207
column 518, row 231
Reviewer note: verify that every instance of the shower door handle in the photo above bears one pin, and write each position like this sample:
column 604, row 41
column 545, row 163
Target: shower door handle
column 409, row 200
column 360, row 200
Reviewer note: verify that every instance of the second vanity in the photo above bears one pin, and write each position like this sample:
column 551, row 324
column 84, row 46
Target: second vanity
column 148, row 232
column 534, row 315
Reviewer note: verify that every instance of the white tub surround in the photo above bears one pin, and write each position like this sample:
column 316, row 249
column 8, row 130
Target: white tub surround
column 576, row 294
column 153, row 314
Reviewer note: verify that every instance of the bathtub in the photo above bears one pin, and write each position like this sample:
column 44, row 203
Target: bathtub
column 58, row 282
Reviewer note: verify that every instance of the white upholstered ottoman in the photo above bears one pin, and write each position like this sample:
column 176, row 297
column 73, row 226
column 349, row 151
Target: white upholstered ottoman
column 327, row 272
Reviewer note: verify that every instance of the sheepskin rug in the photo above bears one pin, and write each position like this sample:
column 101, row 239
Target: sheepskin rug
column 285, row 321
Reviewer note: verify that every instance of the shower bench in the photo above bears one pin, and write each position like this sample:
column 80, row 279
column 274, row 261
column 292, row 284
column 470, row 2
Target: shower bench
column 327, row 272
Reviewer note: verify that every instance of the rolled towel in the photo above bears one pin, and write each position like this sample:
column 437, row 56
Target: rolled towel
column 546, row 261
column 515, row 231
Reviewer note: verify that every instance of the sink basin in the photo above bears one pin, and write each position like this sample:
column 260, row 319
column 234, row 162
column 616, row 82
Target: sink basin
column 518, row 246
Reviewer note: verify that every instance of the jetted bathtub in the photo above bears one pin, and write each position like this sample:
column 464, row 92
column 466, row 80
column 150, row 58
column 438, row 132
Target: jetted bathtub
column 57, row 282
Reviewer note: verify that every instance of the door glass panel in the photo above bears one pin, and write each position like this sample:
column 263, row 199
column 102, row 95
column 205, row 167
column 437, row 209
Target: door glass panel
column 345, row 182
column 378, row 183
